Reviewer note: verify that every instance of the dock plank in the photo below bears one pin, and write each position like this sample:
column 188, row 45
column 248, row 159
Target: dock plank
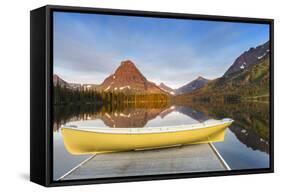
column 184, row 159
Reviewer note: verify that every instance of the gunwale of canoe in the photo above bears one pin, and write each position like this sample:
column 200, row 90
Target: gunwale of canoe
column 151, row 130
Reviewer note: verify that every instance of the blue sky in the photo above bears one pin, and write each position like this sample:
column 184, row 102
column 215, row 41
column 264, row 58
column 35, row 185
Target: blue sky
column 89, row 47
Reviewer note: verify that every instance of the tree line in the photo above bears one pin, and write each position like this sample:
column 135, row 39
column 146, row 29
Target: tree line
column 63, row 96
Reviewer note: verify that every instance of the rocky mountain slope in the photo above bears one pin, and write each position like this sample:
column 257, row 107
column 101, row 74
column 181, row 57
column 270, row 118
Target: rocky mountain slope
column 248, row 58
column 253, row 81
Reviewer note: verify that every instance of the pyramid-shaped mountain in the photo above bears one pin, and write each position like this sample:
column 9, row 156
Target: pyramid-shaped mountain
column 127, row 78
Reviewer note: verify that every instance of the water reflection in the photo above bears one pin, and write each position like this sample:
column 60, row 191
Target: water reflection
column 251, row 125
column 246, row 144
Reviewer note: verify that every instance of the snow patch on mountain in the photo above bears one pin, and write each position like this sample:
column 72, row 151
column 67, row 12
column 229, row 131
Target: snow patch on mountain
column 260, row 57
column 107, row 88
column 128, row 87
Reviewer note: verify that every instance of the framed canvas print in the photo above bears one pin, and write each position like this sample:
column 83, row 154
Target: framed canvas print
column 120, row 95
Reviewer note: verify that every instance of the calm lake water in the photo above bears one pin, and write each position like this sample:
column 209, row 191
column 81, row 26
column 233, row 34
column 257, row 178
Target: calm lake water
column 246, row 144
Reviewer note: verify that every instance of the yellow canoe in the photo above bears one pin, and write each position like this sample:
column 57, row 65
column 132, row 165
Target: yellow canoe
column 87, row 140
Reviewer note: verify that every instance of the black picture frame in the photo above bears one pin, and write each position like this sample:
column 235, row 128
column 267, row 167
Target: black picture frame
column 41, row 71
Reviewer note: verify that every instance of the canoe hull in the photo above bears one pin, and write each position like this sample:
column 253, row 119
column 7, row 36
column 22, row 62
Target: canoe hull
column 86, row 142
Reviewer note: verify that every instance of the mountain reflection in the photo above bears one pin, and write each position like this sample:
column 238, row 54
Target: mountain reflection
column 116, row 117
column 129, row 117
column 251, row 125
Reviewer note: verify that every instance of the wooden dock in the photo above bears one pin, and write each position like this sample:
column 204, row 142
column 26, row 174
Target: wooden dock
column 183, row 159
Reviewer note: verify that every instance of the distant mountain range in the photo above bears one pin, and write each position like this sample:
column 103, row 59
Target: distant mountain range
column 127, row 78
column 189, row 87
column 167, row 88
column 249, row 70
column 58, row 81
column 193, row 85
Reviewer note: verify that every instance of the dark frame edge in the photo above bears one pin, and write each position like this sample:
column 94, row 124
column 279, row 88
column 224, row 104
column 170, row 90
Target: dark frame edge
column 38, row 129
column 271, row 91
